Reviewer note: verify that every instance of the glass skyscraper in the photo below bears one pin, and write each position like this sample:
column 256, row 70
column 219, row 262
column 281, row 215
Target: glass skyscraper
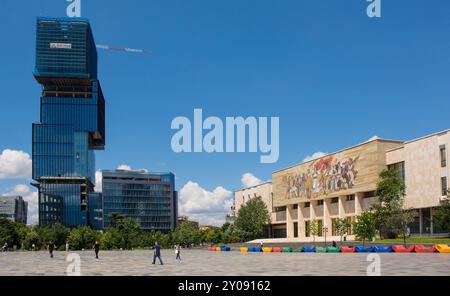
column 72, row 121
column 14, row 208
column 147, row 198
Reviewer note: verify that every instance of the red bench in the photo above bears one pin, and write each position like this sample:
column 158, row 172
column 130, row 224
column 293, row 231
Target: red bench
column 423, row 249
column 402, row 249
column 348, row 249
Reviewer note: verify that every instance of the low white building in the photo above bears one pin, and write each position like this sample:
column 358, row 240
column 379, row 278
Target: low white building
column 423, row 165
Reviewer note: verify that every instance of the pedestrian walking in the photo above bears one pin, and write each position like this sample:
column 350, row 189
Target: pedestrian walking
column 51, row 248
column 178, row 252
column 5, row 247
column 67, row 246
column 96, row 249
column 157, row 253
column 33, row 247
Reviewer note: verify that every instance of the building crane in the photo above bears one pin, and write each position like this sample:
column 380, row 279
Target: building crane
column 126, row 49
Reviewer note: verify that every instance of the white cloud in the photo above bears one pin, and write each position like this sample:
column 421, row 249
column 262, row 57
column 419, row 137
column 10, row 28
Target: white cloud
column 98, row 181
column 207, row 207
column 15, row 164
column 373, row 138
column 124, row 167
column 31, row 197
column 249, row 180
column 315, row 155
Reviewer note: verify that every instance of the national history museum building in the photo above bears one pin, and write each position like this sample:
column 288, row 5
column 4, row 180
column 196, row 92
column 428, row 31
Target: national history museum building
column 343, row 184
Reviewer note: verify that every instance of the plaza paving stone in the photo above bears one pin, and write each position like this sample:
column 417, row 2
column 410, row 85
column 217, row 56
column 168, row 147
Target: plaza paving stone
column 204, row 263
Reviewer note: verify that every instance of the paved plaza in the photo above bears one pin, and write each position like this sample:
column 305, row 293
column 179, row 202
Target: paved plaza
column 204, row 263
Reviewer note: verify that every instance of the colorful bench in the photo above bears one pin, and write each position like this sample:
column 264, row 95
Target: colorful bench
column 267, row 250
column 309, row 249
column 244, row 250
column 297, row 250
column 403, row 249
column 442, row 248
column 348, row 249
column 333, row 250
column 362, row 249
column 381, row 249
column 287, row 250
column 423, row 249
column 321, row 250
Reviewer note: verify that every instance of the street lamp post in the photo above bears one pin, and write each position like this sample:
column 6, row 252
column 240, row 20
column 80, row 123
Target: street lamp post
column 325, row 230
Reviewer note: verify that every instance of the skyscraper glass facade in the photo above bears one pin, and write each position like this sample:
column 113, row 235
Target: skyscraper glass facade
column 14, row 208
column 72, row 120
column 149, row 199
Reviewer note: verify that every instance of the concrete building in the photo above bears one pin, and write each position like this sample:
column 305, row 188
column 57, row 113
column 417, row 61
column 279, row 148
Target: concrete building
column 338, row 185
column 423, row 165
column 14, row 208
column 343, row 184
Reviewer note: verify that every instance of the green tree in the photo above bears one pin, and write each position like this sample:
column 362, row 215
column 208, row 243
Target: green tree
column 442, row 215
column 233, row 235
column 31, row 238
column 186, row 233
column 252, row 219
column 59, row 234
column 9, row 233
column 111, row 239
column 391, row 191
column 314, row 229
column 364, row 227
column 22, row 231
column 342, row 227
column 214, row 235
column 126, row 229
column 82, row 238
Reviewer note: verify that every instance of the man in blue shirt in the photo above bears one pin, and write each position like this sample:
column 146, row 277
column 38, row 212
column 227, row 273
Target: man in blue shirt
column 157, row 253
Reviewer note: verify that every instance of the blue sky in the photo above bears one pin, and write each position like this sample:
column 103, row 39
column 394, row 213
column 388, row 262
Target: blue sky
column 332, row 75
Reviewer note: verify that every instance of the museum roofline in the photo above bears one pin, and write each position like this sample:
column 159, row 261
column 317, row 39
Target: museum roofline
column 251, row 187
column 419, row 139
column 339, row 151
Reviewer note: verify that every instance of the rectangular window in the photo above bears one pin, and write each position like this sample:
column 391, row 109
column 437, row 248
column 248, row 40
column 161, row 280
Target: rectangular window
column 320, row 202
column 335, row 200
column 294, row 207
column 443, row 156
column 334, row 223
column 307, row 204
column 320, row 227
column 399, row 167
column 444, row 186
column 350, row 197
column 369, row 194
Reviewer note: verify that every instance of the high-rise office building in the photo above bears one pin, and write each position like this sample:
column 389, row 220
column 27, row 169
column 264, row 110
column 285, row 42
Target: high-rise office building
column 147, row 198
column 14, row 208
column 72, row 121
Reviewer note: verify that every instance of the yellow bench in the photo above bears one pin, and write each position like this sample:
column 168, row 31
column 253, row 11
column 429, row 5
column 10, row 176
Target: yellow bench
column 267, row 250
column 443, row 248
column 218, row 249
column 244, row 250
